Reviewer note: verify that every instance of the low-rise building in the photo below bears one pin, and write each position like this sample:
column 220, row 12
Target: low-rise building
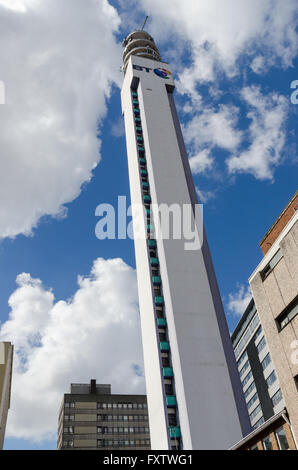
column 92, row 418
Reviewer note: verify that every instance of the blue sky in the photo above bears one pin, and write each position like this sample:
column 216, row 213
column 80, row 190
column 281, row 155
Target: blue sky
column 64, row 153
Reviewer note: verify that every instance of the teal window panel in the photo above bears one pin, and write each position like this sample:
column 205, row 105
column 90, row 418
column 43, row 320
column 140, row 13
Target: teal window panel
column 144, row 172
column 140, row 138
column 134, row 94
column 159, row 300
column 147, row 198
column 171, row 400
column 156, row 280
column 138, row 129
column 161, row 322
column 154, row 261
column 175, row 431
column 141, row 148
column 137, row 119
column 142, row 161
column 152, row 243
column 145, row 184
column 150, row 228
column 135, row 101
column 164, row 346
column 167, row 372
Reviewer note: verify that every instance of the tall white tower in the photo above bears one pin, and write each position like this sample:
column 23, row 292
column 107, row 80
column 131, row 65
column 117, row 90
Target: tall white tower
column 194, row 395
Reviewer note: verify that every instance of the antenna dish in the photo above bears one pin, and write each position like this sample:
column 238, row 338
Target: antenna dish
column 144, row 23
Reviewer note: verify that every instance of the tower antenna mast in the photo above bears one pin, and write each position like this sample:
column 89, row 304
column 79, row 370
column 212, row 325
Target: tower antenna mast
column 144, row 23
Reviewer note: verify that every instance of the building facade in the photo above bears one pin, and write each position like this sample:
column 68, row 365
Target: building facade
column 92, row 418
column 6, row 360
column 259, row 380
column 274, row 434
column 194, row 393
column 274, row 285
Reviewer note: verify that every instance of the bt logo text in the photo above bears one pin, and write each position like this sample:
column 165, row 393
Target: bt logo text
column 162, row 73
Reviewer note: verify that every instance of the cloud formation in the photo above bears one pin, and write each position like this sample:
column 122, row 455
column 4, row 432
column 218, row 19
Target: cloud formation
column 95, row 334
column 266, row 134
column 216, row 34
column 239, row 300
column 58, row 62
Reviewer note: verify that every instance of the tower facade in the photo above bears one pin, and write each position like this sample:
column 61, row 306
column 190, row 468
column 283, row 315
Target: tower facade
column 194, row 394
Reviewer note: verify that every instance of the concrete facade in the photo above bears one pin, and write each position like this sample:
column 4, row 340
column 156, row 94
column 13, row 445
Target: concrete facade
column 274, row 286
column 275, row 434
column 207, row 409
column 6, row 359
column 274, row 231
column 92, row 418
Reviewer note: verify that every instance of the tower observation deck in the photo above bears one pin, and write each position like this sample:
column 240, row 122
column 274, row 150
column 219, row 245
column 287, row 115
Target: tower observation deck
column 141, row 44
column 194, row 394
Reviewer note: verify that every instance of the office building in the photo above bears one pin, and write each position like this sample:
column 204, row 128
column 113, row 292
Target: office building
column 258, row 378
column 194, row 393
column 274, row 285
column 92, row 418
column 6, row 359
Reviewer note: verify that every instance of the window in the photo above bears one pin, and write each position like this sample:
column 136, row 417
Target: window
column 271, row 379
column 250, row 389
column 259, row 422
column 246, row 331
column 258, row 332
column 267, row 444
column 287, row 315
column 68, row 443
column 69, row 405
column 68, row 430
column 68, row 417
column 266, row 361
column 261, row 344
column 247, row 378
column 255, row 412
column 252, row 400
column 246, row 365
column 242, row 357
column 276, row 398
column 281, row 439
column 272, row 263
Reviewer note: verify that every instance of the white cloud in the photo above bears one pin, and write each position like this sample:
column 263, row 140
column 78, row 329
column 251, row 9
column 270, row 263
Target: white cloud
column 204, row 196
column 216, row 33
column 58, row 63
column 95, row 334
column 201, row 162
column 214, row 129
column 239, row 301
column 267, row 136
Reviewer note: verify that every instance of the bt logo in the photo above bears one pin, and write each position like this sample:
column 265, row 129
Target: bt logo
column 163, row 73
